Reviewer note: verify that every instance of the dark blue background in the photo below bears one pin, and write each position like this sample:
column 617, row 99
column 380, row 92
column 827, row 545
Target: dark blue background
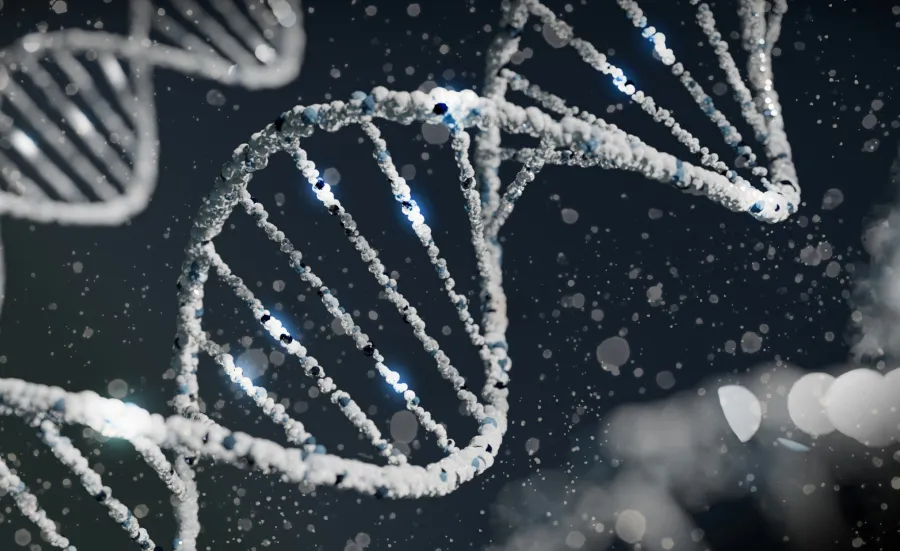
column 125, row 293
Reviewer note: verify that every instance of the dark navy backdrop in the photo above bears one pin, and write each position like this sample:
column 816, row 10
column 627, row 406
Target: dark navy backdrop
column 114, row 319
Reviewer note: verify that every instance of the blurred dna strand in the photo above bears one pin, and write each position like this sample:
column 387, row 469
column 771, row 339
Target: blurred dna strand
column 78, row 127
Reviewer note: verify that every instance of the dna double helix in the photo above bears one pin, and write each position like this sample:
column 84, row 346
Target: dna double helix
column 617, row 149
column 78, row 126
column 565, row 135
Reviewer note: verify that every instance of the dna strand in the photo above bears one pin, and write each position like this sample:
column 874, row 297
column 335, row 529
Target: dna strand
column 617, row 149
column 78, row 129
column 193, row 435
column 573, row 139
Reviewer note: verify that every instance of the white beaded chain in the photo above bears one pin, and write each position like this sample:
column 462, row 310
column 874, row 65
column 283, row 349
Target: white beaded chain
column 109, row 151
column 576, row 138
column 117, row 190
column 198, row 436
column 27, row 503
column 763, row 112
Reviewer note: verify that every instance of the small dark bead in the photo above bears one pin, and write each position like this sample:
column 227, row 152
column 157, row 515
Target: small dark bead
column 287, row 339
column 265, row 318
column 369, row 349
column 439, row 108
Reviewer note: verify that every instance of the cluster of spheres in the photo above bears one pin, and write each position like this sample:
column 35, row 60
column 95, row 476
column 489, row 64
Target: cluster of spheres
column 861, row 404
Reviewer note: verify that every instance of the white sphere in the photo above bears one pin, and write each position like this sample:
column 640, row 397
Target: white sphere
column 805, row 404
column 858, row 404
